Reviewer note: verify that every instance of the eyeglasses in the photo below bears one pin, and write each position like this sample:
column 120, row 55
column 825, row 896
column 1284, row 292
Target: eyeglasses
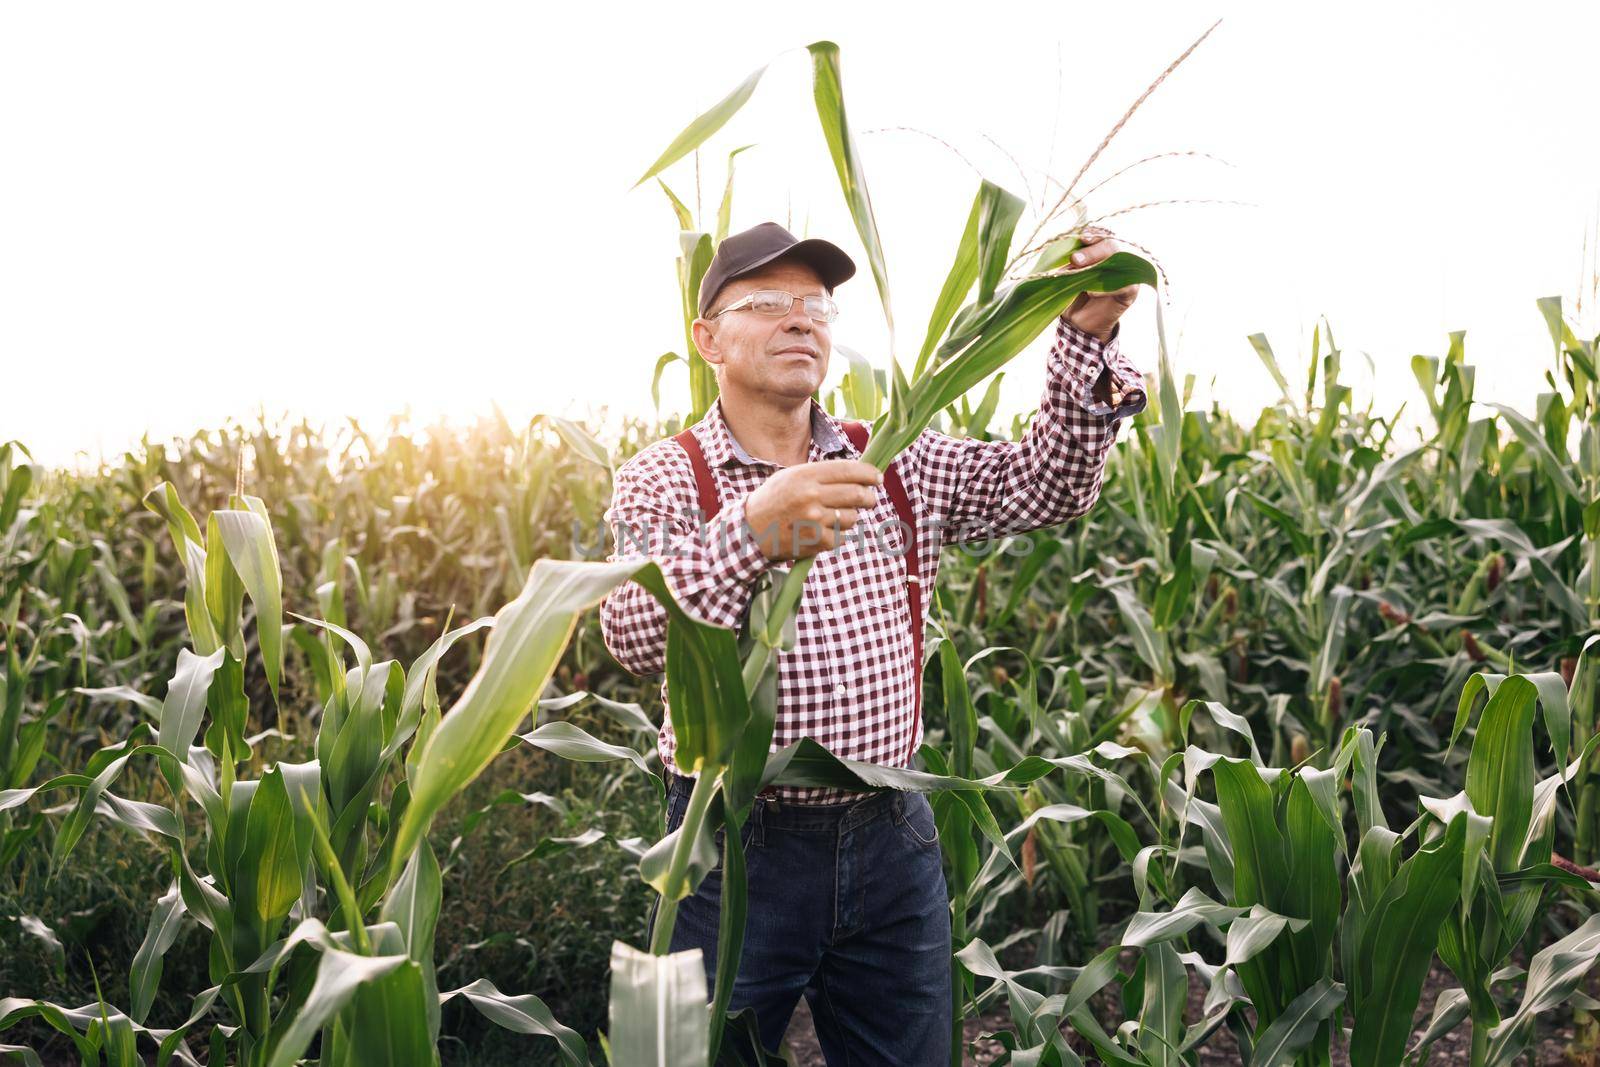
column 776, row 302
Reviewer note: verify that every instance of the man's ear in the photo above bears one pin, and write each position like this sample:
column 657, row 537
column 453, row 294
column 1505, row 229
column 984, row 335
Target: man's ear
column 705, row 341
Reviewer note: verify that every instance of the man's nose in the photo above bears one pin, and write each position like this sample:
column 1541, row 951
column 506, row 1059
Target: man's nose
column 797, row 317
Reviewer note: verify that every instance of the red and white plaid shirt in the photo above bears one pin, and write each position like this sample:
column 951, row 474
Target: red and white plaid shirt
column 850, row 683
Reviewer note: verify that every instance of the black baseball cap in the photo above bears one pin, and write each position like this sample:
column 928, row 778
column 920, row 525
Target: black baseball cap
column 743, row 252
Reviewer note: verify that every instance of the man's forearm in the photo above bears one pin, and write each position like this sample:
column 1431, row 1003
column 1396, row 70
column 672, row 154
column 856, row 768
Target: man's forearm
column 711, row 569
column 982, row 489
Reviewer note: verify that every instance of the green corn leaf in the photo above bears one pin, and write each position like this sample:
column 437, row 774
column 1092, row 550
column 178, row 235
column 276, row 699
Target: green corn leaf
column 145, row 703
column 1554, row 468
column 72, row 1023
column 704, row 125
column 555, row 846
column 1027, row 1005
column 339, row 975
column 1150, row 644
column 806, row 763
column 733, row 912
column 1166, row 990
column 1314, row 844
column 665, row 361
column 527, row 640
column 424, row 667
column 1261, row 875
column 961, row 717
column 230, row 709
column 1224, row 718
column 37, row 929
column 679, row 208
column 999, row 212
column 1019, row 313
column 387, row 1021
column 958, row 282
column 574, row 743
column 139, row 815
column 223, row 589
column 524, row 1014
column 189, row 545
column 25, row 1055
column 725, row 208
column 1500, row 770
column 14, row 485
column 749, row 759
column 269, row 870
column 118, row 596
column 247, row 537
column 706, row 693
column 658, row 1009
column 351, row 756
column 185, row 703
column 1450, row 1009
column 358, row 646
column 1148, row 928
column 1555, row 973
column 581, row 441
column 1250, row 934
column 1258, row 341
column 1397, row 945
column 1120, row 830
column 1298, row 1025
column 655, row 867
column 695, row 260
column 828, row 89
column 863, row 400
column 73, row 826
column 1376, row 861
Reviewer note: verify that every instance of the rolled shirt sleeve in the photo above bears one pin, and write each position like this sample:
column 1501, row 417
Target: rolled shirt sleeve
column 710, row 567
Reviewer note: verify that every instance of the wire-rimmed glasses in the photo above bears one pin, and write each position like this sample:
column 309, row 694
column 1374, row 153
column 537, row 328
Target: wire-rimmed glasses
column 775, row 302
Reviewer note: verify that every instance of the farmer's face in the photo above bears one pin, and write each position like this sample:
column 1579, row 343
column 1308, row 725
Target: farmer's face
column 782, row 355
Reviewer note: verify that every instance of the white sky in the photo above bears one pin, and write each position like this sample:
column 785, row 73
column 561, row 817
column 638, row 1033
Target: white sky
column 338, row 209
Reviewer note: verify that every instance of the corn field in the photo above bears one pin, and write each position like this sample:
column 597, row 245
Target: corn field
column 311, row 750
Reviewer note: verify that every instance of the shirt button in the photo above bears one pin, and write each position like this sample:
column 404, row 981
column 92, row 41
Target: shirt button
column 838, row 690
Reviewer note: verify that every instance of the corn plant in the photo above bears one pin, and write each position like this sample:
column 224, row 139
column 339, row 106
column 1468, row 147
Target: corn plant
column 1515, row 809
column 68, row 622
column 1575, row 483
column 976, row 343
column 1322, row 585
column 1470, row 888
column 315, row 881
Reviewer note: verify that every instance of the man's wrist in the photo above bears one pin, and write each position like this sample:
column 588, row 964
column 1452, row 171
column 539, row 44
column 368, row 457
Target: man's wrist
column 1103, row 334
column 742, row 555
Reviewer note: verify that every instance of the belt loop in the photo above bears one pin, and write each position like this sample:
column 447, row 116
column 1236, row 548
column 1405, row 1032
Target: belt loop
column 756, row 811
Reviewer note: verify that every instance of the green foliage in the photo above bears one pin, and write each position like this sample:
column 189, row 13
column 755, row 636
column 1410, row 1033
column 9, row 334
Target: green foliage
column 1166, row 748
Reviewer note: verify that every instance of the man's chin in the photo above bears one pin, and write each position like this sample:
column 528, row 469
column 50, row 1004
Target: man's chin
column 795, row 388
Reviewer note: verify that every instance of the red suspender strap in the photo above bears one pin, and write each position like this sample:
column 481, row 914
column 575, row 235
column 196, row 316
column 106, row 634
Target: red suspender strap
column 857, row 432
column 902, row 507
column 702, row 473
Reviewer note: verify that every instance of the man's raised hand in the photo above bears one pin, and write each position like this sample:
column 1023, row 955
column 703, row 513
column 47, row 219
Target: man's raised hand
column 1097, row 313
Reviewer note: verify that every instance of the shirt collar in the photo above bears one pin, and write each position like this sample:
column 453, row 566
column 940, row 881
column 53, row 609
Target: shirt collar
column 720, row 446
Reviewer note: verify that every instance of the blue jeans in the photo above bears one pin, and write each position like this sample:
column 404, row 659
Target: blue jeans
column 847, row 905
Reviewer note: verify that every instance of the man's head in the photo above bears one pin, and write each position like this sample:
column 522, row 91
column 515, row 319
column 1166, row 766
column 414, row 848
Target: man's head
column 783, row 355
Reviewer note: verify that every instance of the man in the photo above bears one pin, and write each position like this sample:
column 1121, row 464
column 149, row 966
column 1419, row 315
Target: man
column 847, row 901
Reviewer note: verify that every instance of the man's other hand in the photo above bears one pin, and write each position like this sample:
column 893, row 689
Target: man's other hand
column 804, row 510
